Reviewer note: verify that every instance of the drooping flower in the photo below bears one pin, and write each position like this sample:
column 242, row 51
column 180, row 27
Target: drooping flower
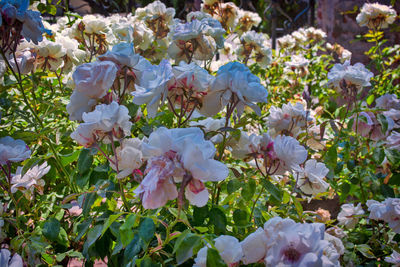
column 353, row 75
column 189, row 85
column 228, row 247
column 376, row 16
column 95, row 79
column 157, row 17
column 13, row 150
column 311, row 180
column 197, row 39
column 349, row 215
column 387, row 211
column 288, row 153
column 255, row 47
column 280, row 154
column 50, row 55
column 388, row 101
column 79, row 104
column 98, row 125
column 394, row 259
column 24, row 60
column 6, row 260
column 30, row 180
column 393, row 141
column 123, row 54
column 32, row 25
column 74, row 56
column 234, row 81
column 153, row 87
column 178, row 156
column 288, row 120
column 334, row 249
column 129, row 156
column 247, row 20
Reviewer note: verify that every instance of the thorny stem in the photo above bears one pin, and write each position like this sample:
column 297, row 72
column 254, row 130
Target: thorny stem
column 229, row 111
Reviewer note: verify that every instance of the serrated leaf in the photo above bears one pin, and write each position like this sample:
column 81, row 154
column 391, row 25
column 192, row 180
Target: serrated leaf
column 273, row 190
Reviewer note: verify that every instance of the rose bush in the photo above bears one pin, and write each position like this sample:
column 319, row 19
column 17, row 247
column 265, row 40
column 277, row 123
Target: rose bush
column 146, row 140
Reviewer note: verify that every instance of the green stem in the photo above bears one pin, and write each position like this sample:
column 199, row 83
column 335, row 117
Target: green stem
column 255, row 202
column 37, row 118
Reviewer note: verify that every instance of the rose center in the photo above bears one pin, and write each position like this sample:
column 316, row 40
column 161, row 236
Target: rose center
column 291, row 255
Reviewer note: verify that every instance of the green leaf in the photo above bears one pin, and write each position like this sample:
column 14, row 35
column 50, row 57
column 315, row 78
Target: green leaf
column 82, row 228
column 147, row 229
column 200, row 214
column 393, row 156
column 147, row 262
column 249, row 189
column 387, row 191
column 185, row 249
column 133, row 248
column 233, row 185
column 218, row 220
column 395, row 179
column 126, row 230
column 69, row 158
column 383, row 121
column 109, row 221
column 379, row 155
column 365, row 250
column 273, row 190
column 370, row 99
column 331, row 156
column 51, row 229
column 298, row 206
column 82, row 179
column 90, row 198
column 178, row 241
column 51, row 9
column 240, row 217
column 214, row 259
column 85, row 161
column 93, row 235
column 62, row 238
